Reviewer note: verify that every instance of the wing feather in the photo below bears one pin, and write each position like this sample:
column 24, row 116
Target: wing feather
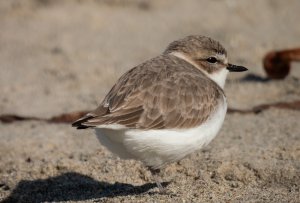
column 163, row 93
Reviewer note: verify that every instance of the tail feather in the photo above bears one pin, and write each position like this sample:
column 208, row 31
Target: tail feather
column 79, row 124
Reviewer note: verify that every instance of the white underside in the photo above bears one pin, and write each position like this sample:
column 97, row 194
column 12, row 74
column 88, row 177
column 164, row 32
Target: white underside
column 159, row 147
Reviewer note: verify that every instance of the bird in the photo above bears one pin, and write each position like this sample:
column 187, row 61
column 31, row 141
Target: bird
column 167, row 107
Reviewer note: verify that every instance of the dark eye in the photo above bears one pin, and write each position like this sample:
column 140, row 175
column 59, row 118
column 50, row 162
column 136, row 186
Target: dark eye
column 212, row 60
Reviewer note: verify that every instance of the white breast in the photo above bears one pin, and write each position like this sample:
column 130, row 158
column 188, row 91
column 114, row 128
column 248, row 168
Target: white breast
column 159, row 147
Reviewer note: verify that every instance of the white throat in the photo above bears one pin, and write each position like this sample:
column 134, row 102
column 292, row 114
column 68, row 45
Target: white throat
column 218, row 77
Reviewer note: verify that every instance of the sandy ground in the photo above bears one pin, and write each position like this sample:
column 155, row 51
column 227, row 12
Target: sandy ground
column 60, row 56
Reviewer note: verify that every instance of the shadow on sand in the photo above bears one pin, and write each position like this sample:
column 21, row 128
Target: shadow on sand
column 254, row 78
column 72, row 186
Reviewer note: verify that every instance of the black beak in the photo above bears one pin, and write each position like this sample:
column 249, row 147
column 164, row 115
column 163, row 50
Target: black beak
column 234, row 68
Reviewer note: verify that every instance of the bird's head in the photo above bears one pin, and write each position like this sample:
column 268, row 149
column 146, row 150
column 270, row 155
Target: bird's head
column 205, row 54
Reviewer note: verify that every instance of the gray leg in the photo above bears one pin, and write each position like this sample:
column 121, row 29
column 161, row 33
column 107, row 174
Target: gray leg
column 155, row 174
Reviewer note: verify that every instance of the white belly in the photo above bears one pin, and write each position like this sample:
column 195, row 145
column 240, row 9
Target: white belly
column 159, row 147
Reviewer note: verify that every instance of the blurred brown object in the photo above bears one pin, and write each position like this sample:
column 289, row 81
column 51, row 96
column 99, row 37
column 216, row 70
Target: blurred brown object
column 67, row 117
column 277, row 64
column 62, row 118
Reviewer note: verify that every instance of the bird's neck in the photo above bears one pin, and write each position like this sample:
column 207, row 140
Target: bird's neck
column 218, row 77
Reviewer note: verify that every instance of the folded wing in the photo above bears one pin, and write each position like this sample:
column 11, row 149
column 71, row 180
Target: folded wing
column 163, row 93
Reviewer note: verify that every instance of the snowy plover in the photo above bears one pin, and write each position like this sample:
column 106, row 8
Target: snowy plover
column 167, row 107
